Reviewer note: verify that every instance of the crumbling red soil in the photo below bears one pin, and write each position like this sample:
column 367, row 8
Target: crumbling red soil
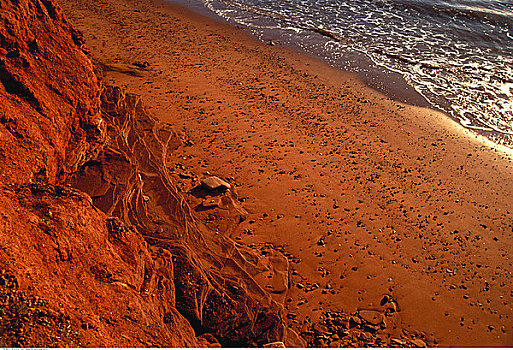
column 50, row 119
column 101, row 275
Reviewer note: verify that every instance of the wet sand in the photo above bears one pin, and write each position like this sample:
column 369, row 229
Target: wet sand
column 367, row 196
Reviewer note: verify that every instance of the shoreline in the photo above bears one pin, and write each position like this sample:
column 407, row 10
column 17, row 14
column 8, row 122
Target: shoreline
column 391, row 84
column 370, row 197
column 379, row 77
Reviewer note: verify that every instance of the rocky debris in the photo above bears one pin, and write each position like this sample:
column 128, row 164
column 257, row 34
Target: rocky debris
column 141, row 65
column 186, row 176
column 307, row 286
column 359, row 329
column 215, row 183
column 27, row 321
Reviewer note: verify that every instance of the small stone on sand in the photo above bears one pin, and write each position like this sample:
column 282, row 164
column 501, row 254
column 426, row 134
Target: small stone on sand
column 419, row 343
column 276, row 344
column 211, row 202
column 397, row 341
column 213, row 182
column 372, row 317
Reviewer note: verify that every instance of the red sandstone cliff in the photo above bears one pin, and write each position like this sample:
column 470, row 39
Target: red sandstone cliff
column 97, row 247
column 50, row 116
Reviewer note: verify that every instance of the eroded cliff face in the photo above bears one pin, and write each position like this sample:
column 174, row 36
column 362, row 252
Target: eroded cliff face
column 97, row 246
column 50, row 120
column 91, row 270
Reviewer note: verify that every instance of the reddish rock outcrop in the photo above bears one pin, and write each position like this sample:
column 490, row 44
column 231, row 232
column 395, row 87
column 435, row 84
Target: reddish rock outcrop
column 133, row 266
column 102, row 276
column 50, row 121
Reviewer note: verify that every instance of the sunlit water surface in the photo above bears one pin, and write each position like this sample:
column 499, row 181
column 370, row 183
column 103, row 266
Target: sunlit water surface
column 457, row 54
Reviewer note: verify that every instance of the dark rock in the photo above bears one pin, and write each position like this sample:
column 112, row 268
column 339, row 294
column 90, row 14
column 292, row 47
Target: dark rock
column 391, row 307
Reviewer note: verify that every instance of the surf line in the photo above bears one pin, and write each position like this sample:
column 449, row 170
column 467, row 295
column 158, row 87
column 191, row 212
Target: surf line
column 324, row 32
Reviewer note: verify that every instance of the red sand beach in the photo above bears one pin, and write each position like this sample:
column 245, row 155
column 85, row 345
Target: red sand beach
column 377, row 205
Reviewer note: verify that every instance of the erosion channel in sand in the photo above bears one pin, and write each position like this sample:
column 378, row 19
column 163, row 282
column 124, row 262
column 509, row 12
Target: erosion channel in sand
column 379, row 206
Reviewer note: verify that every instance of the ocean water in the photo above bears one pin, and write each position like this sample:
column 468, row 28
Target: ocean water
column 458, row 54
